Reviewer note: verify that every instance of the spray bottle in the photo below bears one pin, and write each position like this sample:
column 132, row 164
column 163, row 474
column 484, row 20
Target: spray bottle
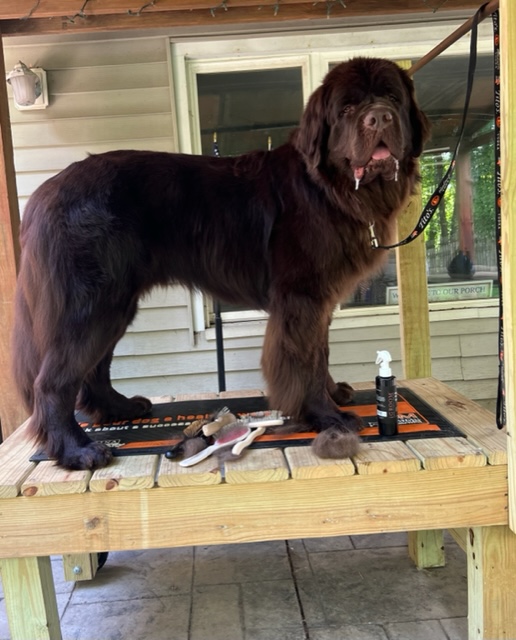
column 386, row 396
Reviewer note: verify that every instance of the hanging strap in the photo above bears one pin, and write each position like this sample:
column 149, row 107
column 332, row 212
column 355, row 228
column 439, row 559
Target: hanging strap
column 439, row 192
column 500, row 401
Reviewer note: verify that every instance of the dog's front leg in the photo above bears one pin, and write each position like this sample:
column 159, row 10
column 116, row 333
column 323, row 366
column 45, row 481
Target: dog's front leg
column 295, row 367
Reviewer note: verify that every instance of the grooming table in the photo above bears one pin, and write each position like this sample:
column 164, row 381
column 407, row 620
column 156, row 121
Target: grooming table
column 147, row 501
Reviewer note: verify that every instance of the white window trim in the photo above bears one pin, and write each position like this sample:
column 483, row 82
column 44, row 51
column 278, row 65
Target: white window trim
column 313, row 53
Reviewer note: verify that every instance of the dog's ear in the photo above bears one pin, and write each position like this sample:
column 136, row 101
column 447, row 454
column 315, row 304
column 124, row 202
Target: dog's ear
column 311, row 138
column 419, row 123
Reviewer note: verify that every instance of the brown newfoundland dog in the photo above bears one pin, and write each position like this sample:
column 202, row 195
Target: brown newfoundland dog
column 285, row 230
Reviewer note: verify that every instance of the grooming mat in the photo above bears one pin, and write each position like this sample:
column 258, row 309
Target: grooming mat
column 163, row 428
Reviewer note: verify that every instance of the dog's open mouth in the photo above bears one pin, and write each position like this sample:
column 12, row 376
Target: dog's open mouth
column 381, row 161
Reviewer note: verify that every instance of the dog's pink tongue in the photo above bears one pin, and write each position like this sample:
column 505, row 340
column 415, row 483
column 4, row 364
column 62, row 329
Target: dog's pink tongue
column 380, row 153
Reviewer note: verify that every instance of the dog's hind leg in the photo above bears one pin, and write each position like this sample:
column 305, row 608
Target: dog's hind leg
column 98, row 399
column 66, row 364
column 102, row 403
column 53, row 421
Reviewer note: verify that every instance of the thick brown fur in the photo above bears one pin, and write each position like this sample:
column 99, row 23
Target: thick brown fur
column 285, row 231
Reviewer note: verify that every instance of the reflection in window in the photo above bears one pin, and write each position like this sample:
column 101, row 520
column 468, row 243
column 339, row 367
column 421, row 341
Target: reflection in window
column 247, row 109
column 460, row 240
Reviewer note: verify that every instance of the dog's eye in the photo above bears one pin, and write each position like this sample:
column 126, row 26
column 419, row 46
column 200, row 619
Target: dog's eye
column 393, row 98
column 345, row 111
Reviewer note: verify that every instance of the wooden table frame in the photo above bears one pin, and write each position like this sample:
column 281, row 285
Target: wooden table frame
column 149, row 502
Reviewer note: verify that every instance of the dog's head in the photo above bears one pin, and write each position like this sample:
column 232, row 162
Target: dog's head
column 362, row 122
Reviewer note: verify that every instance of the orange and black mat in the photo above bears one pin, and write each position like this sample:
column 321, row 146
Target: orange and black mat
column 158, row 432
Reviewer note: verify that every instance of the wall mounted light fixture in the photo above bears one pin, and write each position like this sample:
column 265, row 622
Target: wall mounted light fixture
column 29, row 87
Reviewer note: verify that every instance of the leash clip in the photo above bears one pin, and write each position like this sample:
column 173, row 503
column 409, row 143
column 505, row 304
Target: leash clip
column 372, row 234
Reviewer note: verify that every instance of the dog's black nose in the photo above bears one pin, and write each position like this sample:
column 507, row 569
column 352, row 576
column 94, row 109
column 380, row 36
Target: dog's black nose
column 378, row 118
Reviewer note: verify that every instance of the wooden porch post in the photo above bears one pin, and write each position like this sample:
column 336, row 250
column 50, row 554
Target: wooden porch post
column 508, row 170
column 426, row 548
column 11, row 412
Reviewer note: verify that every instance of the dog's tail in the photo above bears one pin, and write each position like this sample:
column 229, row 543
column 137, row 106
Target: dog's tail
column 36, row 304
column 26, row 361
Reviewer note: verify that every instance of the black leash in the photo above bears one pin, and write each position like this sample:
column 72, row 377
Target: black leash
column 439, row 192
column 501, row 417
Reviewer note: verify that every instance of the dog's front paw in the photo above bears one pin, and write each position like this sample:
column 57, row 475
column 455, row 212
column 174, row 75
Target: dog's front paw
column 91, row 456
column 342, row 394
column 140, row 406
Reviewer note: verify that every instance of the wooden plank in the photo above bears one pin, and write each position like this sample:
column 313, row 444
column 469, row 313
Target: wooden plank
column 508, row 205
column 460, row 536
column 242, row 393
column 160, row 399
column 207, row 18
column 305, row 465
column 15, row 465
column 56, row 8
column 413, row 295
column 127, row 473
column 477, row 424
column 442, row 453
column 385, row 457
column 257, row 465
column 78, row 567
column 426, row 548
column 491, row 583
column 172, row 475
column 12, row 412
column 47, row 479
column 230, row 513
column 30, row 598
column 190, row 397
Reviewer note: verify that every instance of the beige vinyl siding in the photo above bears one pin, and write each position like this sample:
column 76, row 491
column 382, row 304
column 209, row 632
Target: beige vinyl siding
column 107, row 94
column 464, row 348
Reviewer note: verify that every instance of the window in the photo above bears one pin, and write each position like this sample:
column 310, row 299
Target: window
column 250, row 93
column 248, row 110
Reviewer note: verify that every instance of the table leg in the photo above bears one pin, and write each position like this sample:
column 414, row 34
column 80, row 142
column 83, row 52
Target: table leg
column 30, row 598
column 80, row 566
column 426, row 548
column 491, row 583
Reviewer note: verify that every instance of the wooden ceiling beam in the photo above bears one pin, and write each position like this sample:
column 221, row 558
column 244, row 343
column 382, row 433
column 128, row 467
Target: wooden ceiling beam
column 206, row 13
column 24, row 9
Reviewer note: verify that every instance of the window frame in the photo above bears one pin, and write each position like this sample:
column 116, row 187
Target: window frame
column 313, row 52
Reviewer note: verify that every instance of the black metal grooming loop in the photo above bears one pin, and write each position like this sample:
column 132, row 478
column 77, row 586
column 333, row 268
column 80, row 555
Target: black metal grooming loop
column 219, row 338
